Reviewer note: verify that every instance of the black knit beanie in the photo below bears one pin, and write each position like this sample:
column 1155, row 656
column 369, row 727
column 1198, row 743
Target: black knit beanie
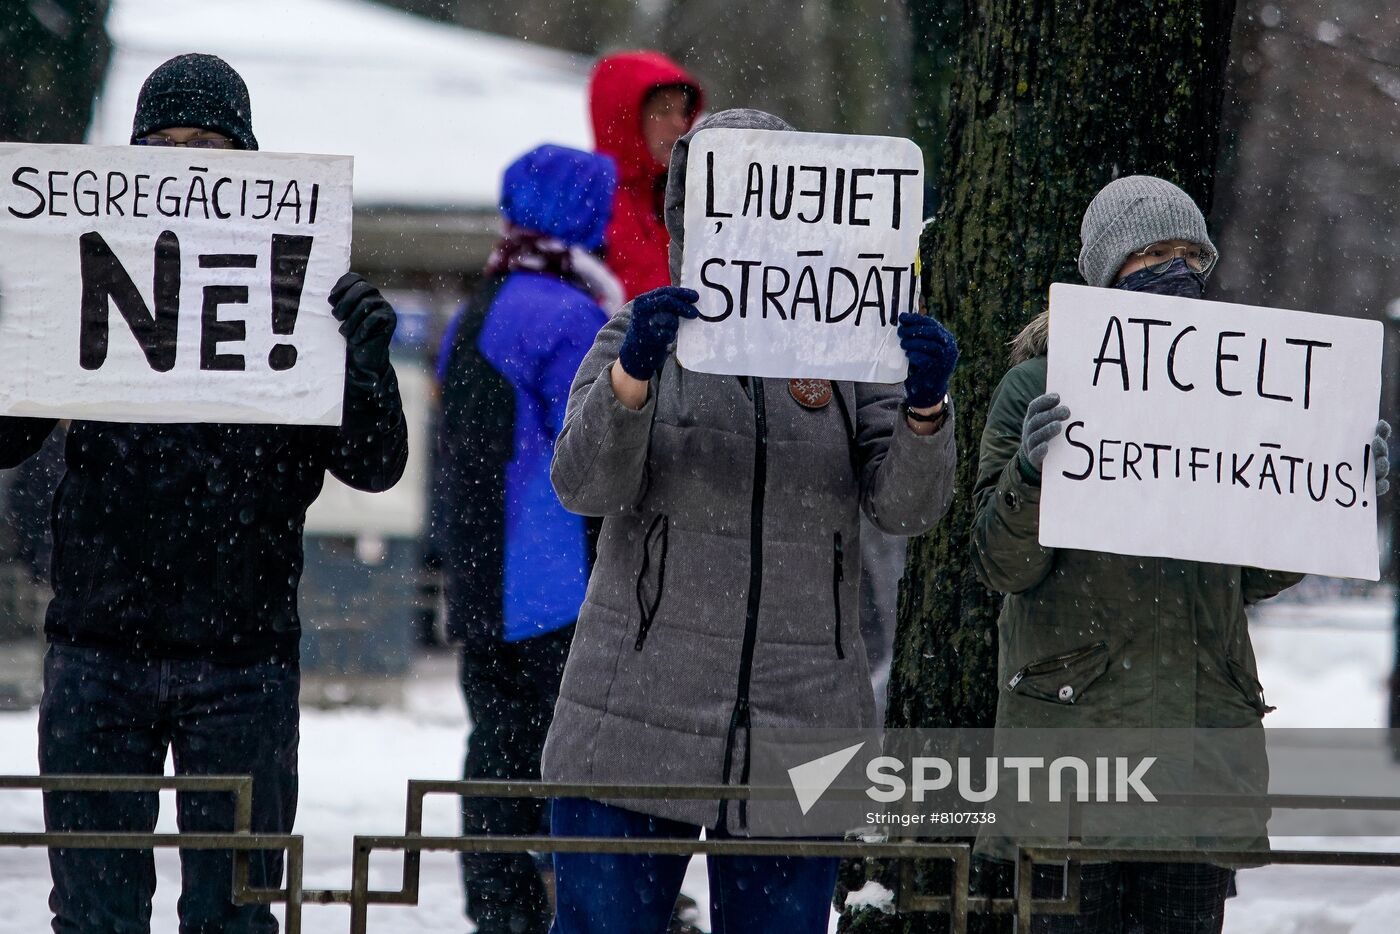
column 197, row 91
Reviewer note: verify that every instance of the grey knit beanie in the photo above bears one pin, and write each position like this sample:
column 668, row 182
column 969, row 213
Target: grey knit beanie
column 1130, row 213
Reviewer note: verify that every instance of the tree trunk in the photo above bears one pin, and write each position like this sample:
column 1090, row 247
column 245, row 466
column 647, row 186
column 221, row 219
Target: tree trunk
column 1050, row 101
column 55, row 54
column 934, row 61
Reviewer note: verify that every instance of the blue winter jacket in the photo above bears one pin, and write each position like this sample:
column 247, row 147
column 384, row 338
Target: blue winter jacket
column 535, row 332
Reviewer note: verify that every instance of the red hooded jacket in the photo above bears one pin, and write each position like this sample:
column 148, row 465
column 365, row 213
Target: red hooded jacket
column 636, row 236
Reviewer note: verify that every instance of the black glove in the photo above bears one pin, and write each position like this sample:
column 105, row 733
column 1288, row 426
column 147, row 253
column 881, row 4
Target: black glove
column 655, row 317
column 367, row 323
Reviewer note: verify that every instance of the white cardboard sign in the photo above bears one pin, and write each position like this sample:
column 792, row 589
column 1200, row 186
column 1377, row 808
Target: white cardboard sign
column 152, row 284
column 803, row 247
column 1213, row 432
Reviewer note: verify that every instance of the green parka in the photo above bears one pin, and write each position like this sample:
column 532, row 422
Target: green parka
column 1108, row 641
column 1090, row 639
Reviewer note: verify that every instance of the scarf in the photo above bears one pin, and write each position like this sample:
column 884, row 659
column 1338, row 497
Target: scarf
column 521, row 250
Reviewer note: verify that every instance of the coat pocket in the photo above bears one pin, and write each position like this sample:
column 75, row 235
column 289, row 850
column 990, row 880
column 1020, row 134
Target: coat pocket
column 1249, row 686
column 838, row 575
column 651, row 580
column 1063, row 678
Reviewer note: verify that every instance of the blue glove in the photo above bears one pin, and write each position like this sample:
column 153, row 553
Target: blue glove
column 1380, row 456
column 655, row 317
column 932, row 353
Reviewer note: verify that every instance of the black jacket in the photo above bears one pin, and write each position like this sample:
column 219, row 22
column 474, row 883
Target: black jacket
column 475, row 438
column 184, row 541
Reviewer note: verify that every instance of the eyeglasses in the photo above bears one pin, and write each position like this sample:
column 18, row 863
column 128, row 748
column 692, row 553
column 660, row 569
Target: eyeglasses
column 199, row 143
column 1159, row 257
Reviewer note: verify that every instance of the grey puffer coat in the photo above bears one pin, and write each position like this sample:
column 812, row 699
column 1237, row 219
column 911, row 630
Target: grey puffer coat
column 725, row 592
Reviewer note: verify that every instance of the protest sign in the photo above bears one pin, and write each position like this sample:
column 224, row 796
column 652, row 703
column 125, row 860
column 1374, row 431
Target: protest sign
column 1213, row 432
column 803, row 247
column 153, row 284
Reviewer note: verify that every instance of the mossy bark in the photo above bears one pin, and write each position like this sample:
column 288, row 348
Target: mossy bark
column 1049, row 101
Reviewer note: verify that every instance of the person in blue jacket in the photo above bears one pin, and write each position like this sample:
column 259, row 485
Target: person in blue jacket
column 515, row 561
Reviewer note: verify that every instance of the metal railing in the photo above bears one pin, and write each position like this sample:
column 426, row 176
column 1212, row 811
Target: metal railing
column 240, row 839
column 1025, row 906
column 413, row 844
column 958, row 903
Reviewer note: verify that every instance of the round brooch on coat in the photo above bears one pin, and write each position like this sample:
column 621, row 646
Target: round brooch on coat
column 810, row 393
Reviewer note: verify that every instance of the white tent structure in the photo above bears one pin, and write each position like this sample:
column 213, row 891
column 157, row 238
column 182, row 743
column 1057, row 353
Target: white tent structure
column 432, row 113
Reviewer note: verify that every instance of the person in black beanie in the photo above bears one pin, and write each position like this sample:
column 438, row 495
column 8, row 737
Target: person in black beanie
column 197, row 91
column 176, row 559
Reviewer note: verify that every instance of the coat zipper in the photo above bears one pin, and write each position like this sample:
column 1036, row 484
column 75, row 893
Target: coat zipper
column 838, row 574
column 739, row 719
column 646, row 612
column 1055, row 663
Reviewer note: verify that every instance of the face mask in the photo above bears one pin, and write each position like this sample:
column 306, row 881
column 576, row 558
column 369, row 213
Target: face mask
column 1179, row 280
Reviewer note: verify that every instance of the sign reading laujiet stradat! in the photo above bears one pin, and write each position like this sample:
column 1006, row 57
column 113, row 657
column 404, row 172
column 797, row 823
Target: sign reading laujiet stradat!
column 1213, row 432
column 171, row 285
column 803, row 247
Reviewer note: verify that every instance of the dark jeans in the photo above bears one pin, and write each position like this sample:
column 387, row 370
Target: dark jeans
column 601, row 893
column 107, row 713
column 1138, row 898
column 510, row 689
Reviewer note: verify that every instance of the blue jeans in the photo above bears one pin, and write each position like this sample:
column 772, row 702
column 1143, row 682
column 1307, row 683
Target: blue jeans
column 108, row 713
column 598, row 893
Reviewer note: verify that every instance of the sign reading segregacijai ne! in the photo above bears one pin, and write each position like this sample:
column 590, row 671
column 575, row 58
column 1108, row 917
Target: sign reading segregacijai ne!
column 1213, row 432
column 803, row 247
column 171, row 285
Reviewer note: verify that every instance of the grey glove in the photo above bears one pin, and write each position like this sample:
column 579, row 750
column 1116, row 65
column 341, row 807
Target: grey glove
column 1380, row 456
column 1045, row 419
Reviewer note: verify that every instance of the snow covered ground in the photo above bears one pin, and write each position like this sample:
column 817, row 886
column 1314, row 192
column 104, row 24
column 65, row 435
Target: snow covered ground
column 355, row 765
column 1323, row 665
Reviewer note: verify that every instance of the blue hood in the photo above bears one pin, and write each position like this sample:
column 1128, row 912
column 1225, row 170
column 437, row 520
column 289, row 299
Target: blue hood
column 562, row 193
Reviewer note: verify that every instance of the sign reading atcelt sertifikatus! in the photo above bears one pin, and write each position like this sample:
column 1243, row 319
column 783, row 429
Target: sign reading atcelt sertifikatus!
column 803, row 247
column 1212, row 432
column 149, row 284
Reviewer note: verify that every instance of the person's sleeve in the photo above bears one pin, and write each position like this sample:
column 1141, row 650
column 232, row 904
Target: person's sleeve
column 369, row 449
column 906, row 478
column 21, row 438
column 1006, row 551
column 600, row 456
column 1257, row 584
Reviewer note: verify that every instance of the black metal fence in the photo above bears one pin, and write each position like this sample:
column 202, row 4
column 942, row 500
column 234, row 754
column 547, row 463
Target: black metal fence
column 958, row 903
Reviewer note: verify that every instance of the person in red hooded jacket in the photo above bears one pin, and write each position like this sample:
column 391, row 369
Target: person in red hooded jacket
column 641, row 103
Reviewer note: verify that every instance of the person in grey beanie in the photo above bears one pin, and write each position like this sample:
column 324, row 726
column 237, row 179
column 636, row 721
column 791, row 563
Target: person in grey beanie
column 723, row 499
column 1097, row 640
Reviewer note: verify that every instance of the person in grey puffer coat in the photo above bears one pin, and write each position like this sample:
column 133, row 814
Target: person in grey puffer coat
column 725, row 592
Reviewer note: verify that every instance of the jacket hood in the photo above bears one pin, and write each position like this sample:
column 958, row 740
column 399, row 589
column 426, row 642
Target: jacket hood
column 740, row 118
column 560, row 192
column 618, row 88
